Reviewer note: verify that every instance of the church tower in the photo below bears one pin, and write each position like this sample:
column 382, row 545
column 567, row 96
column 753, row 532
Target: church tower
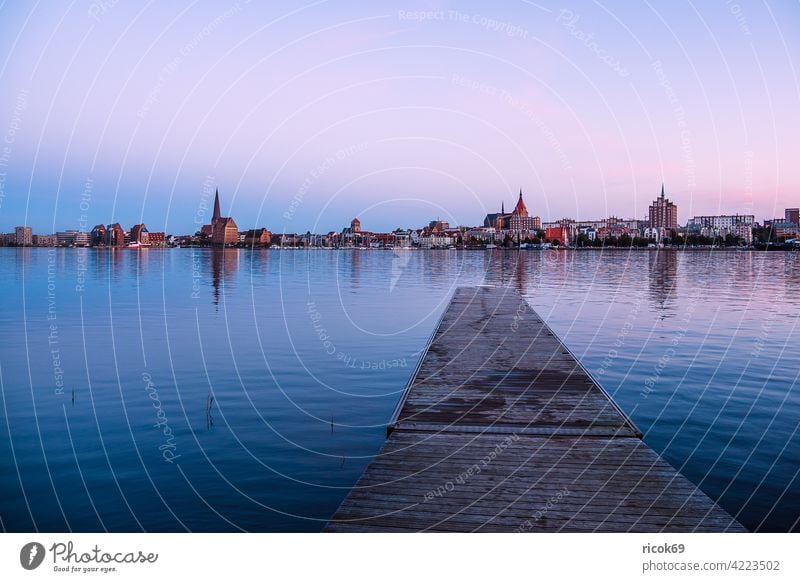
column 520, row 209
column 217, row 213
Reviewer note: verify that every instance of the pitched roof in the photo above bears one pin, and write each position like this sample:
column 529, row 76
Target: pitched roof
column 520, row 208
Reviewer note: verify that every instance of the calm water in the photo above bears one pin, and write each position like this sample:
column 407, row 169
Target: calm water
column 216, row 391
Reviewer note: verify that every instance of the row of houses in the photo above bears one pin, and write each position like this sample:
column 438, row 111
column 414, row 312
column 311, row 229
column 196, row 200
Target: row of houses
column 112, row 235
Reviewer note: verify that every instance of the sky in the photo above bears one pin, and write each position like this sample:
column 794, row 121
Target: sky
column 305, row 115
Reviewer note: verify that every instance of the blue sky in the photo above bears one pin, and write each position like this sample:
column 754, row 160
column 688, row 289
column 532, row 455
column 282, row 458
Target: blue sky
column 305, row 115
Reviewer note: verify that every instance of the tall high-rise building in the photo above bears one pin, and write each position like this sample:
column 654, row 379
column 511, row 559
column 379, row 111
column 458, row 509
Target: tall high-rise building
column 663, row 213
column 793, row 216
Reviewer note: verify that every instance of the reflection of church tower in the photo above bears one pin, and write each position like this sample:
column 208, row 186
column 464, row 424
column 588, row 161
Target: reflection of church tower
column 521, row 273
column 217, row 260
column 355, row 268
column 224, row 263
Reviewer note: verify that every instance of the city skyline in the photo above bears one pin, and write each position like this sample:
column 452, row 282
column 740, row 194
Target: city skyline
column 660, row 227
column 328, row 111
column 201, row 222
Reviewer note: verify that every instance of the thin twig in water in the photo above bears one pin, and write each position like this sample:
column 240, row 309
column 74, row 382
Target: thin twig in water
column 209, row 418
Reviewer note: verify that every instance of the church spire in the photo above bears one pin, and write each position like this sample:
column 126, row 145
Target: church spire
column 503, row 207
column 520, row 209
column 217, row 213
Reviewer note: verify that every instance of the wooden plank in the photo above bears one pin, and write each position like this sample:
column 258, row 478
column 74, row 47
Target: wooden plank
column 500, row 428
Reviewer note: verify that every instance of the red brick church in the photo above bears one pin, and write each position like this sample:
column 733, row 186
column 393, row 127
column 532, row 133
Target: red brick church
column 223, row 230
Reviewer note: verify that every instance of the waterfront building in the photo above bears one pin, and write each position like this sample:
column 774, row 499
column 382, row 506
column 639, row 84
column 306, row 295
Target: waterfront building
column 257, row 237
column 353, row 236
column 720, row 222
column 287, row 239
column 589, row 232
column 82, row 239
column 558, row 234
column 739, row 225
column 98, row 235
column 517, row 220
column 495, row 220
column 402, row 238
column 139, row 235
column 792, row 216
column 65, row 238
column 433, row 241
column 482, row 234
column 157, row 239
column 44, row 240
column 70, row 238
column 23, row 236
column 663, row 213
column 780, row 227
column 115, row 235
column 223, row 230
column 744, row 232
column 382, row 240
column 438, row 225
column 655, row 234
column 520, row 220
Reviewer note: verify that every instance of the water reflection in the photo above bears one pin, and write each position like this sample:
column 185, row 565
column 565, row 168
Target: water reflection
column 355, row 267
column 663, row 279
column 510, row 268
column 723, row 407
column 224, row 264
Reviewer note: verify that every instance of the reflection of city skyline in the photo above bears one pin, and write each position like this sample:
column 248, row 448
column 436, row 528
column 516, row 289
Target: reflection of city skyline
column 511, row 268
column 224, row 264
column 791, row 269
column 663, row 279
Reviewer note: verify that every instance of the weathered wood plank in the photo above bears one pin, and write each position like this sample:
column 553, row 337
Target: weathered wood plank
column 502, row 429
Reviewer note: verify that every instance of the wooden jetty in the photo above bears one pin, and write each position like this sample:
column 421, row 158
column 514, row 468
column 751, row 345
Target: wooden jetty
column 501, row 429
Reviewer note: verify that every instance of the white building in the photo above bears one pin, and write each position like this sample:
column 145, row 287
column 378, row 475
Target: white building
column 483, row 233
column 745, row 232
column 68, row 238
column 403, row 239
column 82, row 239
column 589, row 231
column 435, row 241
column 655, row 234
column 720, row 222
column 740, row 225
